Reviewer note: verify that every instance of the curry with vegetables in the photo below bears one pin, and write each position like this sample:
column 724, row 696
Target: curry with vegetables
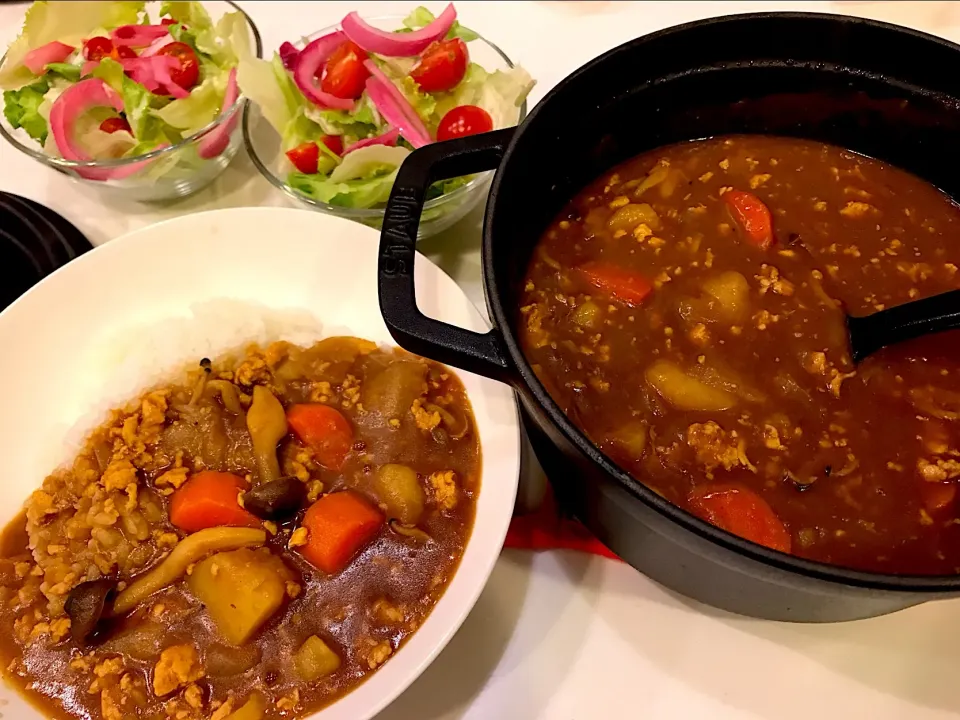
column 686, row 311
column 248, row 545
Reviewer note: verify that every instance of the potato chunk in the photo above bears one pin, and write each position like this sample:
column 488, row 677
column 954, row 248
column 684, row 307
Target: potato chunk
column 724, row 298
column 587, row 315
column 732, row 293
column 631, row 438
column 629, row 216
column 315, row 660
column 392, row 391
column 241, row 590
column 253, row 709
column 685, row 392
column 397, row 487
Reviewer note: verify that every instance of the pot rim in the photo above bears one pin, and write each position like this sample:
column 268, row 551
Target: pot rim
column 524, row 377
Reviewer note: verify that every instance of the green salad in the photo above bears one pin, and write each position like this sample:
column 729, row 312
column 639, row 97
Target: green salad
column 101, row 81
column 351, row 105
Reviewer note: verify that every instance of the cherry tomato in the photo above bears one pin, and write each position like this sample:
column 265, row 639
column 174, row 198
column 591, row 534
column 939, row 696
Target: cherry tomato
column 97, row 48
column 123, row 52
column 113, row 124
column 442, row 66
column 334, row 143
column 188, row 73
column 305, row 157
column 752, row 216
column 464, row 120
column 344, row 75
column 168, row 21
column 740, row 511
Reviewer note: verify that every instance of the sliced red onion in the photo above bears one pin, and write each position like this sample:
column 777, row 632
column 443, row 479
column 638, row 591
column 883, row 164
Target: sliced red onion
column 312, row 57
column 71, row 104
column 383, row 42
column 53, row 52
column 289, row 56
column 68, row 107
column 390, row 138
column 88, row 67
column 216, row 141
column 148, row 71
column 162, row 73
column 158, row 44
column 138, row 35
column 394, row 108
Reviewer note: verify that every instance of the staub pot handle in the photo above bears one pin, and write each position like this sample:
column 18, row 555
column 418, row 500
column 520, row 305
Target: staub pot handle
column 480, row 353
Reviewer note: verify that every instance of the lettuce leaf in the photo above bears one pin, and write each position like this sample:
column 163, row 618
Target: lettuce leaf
column 500, row 93
column 104, row 145
column 266, row 83
column 65, row 70
column 421, row 17
column 229, row 41
column 424, row 103
column 442, row 187
column 22, row 109
column 363, row 121
column 368, row 162
column 364, row 193
column 217, row 47
column 138, row 104
column 299, row 130
column 200, row 108
column 68, row 22
column 191, row 14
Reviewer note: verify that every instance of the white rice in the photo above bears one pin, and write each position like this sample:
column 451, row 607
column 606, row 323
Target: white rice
column 114, row 369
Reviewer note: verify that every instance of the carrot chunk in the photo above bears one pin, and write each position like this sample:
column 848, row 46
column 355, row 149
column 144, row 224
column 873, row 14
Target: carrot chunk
column 752, row 216
column 324, row 430
column 740, row 511
column 626, row 286
column 209, row 499
column 937, row 496
column 339, row 525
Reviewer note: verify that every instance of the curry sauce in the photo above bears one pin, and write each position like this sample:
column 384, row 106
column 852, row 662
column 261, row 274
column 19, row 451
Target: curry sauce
column 251, row 542
column 686, row 310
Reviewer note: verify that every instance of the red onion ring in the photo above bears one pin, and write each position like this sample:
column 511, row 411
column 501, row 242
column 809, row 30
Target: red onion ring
column 311, row 59
column 53, row 52
column 390, row 138
column 137, row 35
column 216, row 141
column 394, row 108
column 383, row 42
column 74, row 102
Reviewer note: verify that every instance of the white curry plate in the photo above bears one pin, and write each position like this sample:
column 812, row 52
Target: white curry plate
column 73, row 346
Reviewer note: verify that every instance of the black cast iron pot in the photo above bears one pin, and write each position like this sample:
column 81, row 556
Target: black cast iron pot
column 878, row 89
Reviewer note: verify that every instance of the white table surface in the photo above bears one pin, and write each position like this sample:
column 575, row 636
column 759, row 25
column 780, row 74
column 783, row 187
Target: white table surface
column 556, row 635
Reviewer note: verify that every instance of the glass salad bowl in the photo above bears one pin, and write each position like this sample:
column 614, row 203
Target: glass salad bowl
column 264, row 145
column 167, row 173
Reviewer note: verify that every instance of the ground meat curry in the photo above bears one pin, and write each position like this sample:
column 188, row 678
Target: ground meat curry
column 686, row 311
column 248, row 545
